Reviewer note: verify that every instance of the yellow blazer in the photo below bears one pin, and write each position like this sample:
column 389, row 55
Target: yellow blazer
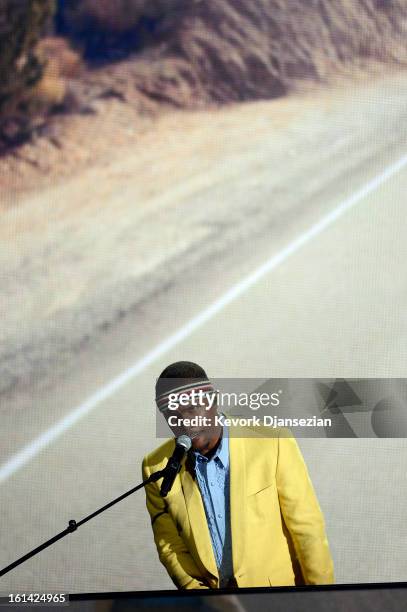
column 278, row 530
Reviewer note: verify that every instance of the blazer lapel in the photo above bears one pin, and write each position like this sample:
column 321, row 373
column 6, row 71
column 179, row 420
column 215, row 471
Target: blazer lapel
column 196, row 510
column 198, row 521
column 237, row 463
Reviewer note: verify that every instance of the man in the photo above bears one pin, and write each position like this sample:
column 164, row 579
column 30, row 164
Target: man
column 242, row 511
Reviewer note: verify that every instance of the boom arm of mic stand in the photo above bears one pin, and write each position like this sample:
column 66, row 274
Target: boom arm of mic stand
column 73, row 525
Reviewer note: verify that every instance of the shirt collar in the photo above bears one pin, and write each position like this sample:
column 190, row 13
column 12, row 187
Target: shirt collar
column 222, row 452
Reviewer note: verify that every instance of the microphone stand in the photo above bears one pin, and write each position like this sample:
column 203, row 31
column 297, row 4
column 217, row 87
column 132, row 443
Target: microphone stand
column 73, row 525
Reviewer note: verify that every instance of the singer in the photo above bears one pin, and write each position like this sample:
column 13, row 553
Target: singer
column 239, row 511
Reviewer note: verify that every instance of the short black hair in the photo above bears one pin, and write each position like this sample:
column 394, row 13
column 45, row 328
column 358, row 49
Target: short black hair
column 183, row 371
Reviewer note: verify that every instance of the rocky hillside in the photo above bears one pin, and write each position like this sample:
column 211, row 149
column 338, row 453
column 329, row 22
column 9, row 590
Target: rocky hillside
column 189, row 54
column 218, row 51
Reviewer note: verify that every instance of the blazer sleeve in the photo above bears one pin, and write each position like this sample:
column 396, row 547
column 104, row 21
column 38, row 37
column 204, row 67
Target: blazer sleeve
column 171, row 548
column 302, row 513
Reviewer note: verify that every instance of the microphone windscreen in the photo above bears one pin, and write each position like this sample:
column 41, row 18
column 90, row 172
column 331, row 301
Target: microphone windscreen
column 184, row 441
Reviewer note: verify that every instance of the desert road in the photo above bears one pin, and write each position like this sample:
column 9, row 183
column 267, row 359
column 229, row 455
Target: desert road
column 320, row 290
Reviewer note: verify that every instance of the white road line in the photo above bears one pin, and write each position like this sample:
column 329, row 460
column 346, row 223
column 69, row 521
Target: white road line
column 18, row 460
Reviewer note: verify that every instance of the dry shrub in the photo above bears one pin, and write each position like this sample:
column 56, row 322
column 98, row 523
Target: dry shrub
column 50, row 91
column 61, row 63
column 60, row 57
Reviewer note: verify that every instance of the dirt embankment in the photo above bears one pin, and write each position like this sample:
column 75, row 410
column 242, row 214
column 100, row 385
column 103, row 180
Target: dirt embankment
column 204, row 53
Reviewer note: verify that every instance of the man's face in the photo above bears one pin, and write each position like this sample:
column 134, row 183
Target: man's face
column 203, row 429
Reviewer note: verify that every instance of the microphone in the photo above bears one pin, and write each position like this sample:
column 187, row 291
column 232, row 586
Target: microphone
column 183, row 444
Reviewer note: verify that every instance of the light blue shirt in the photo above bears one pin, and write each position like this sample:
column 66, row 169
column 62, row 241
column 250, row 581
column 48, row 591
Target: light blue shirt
column 213, row 478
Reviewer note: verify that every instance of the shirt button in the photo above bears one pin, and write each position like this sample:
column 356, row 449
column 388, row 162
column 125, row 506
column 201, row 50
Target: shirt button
column 219, row 516
column 211, row 484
